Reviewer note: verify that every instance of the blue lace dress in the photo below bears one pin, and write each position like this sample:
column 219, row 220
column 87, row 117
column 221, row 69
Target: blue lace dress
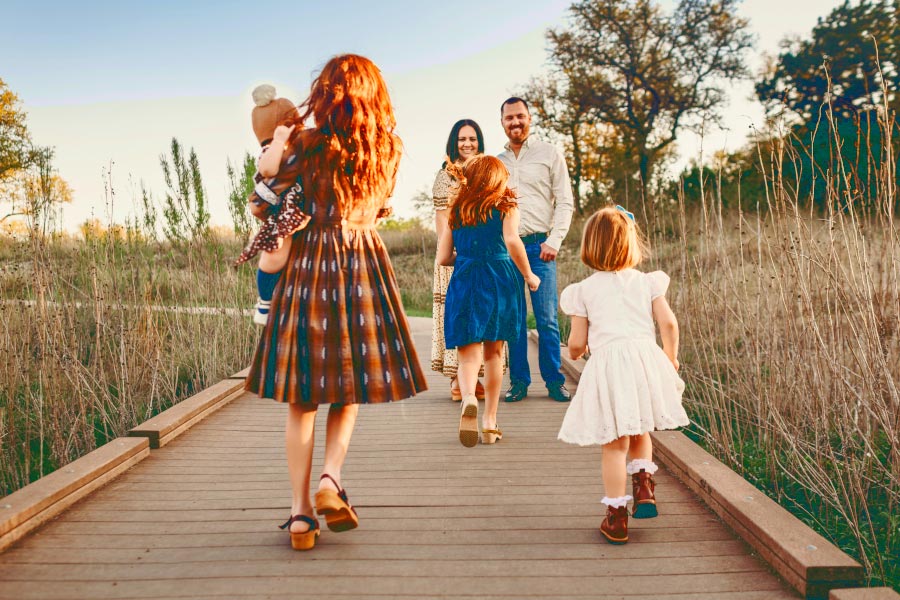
column 485, row 297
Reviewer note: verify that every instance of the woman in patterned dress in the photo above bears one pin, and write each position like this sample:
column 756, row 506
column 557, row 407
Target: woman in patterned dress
column 337, row 333
column 465, row 141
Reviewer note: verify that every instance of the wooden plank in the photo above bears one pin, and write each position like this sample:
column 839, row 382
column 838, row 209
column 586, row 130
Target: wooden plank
column 170, row 423
column 417, row 587
column 462, row 568
column 370, row 494
column 661, row 545
column 242, row 374
column 25, row 509
column 92, row 513
column 876, row 593
column 593, row 551
column 555, row 540
column 766, row 595
column 411, row 480
column 439, row 524
column 531, row 503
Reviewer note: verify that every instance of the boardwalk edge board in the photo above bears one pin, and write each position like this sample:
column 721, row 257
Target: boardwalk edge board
column 31, row 506
column 242, row 374
column 806, row 560
column 171, row 423
column 879, row 593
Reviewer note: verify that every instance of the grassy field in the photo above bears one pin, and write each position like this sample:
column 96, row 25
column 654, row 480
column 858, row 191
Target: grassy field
column 790, row 346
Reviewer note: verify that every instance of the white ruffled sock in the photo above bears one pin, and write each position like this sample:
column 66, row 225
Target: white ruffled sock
column 637, row 464
column 616, row 502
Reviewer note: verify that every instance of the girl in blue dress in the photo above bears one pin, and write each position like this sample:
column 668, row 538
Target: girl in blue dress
column 485, row 299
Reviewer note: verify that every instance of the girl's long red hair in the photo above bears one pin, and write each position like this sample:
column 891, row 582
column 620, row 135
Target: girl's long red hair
column 482, row 187
column 353, row 136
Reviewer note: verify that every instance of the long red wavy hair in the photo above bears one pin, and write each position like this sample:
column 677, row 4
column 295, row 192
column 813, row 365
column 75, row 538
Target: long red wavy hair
column 353, row 136
column 482, row 187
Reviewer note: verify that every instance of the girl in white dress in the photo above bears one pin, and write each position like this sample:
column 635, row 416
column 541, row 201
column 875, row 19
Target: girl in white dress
column 629, row 386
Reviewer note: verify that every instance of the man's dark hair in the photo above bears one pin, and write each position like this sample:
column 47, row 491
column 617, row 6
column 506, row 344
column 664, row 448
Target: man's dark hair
column 514, row 100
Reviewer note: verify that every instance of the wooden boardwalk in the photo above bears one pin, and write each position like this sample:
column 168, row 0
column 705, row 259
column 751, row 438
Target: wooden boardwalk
column 197, row 519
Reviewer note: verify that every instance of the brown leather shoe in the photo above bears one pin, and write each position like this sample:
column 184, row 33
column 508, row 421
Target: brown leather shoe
column 479, row 390
column 615, row 526
column 643, row 486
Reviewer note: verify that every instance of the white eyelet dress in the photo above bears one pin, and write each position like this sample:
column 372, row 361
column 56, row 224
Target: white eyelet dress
column 628, row 386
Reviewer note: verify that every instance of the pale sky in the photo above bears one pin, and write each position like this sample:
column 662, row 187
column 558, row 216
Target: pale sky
column 108, row 84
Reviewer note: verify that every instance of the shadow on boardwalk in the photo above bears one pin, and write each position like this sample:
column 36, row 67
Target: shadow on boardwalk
column 197, row 519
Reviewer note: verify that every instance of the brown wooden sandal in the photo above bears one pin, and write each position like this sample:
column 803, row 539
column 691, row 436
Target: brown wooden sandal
column 335, row 507
column 490, row 436
column 455, row 392
column 468, row 422
column 305, row 540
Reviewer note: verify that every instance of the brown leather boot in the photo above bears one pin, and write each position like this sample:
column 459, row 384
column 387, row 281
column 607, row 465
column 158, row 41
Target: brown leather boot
column 615, row 526
column 642, row 486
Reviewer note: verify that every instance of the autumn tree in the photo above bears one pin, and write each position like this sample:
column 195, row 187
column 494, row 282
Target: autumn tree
column 851, row 58
column 35, row 193
column 833, row 85
column 645, row 72
column 45, row 191
column 563, row 117
column 15, row 143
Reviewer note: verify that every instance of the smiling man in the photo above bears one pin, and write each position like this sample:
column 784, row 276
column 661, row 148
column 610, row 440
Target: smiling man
column 538, row 175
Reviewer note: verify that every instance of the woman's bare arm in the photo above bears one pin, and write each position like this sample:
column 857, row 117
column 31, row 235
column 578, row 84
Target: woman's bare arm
column 445, row 254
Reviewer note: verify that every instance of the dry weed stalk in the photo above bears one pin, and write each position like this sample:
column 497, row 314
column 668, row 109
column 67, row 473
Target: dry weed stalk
column 89, row 356
column 790, row 327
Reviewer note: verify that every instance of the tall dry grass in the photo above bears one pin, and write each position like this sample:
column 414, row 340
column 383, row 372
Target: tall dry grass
column 88, row 348
column 791, row 347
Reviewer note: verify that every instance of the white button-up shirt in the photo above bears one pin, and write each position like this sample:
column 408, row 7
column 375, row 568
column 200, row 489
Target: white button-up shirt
column 540, row 180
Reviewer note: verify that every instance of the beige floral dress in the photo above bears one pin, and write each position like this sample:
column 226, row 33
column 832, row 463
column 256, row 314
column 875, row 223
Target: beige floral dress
column 442, row 360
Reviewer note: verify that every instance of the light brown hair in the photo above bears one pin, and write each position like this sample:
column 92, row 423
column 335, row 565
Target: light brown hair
column 353, row 138
column 612, row 241
column 481, row 188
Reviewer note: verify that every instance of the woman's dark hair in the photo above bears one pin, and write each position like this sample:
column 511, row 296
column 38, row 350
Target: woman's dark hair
column 453, row 140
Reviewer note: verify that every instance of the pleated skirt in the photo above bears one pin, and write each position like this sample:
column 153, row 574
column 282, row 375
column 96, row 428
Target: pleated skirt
column 626, row 388
column 337, row 332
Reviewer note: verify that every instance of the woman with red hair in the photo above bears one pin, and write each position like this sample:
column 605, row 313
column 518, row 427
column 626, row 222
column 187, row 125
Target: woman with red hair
column 484, row 297
column 337, row 333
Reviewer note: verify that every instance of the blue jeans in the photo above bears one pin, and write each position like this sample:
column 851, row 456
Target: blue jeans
column 544, row 302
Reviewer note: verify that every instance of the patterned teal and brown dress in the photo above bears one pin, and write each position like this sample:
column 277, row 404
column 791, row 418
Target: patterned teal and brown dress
column 337, row 332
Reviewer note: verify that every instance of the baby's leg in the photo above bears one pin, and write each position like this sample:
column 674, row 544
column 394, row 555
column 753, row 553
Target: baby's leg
column 267, row 276
column 273, row 262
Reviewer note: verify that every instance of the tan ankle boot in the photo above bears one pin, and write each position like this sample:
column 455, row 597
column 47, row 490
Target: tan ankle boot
column 643, row 488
